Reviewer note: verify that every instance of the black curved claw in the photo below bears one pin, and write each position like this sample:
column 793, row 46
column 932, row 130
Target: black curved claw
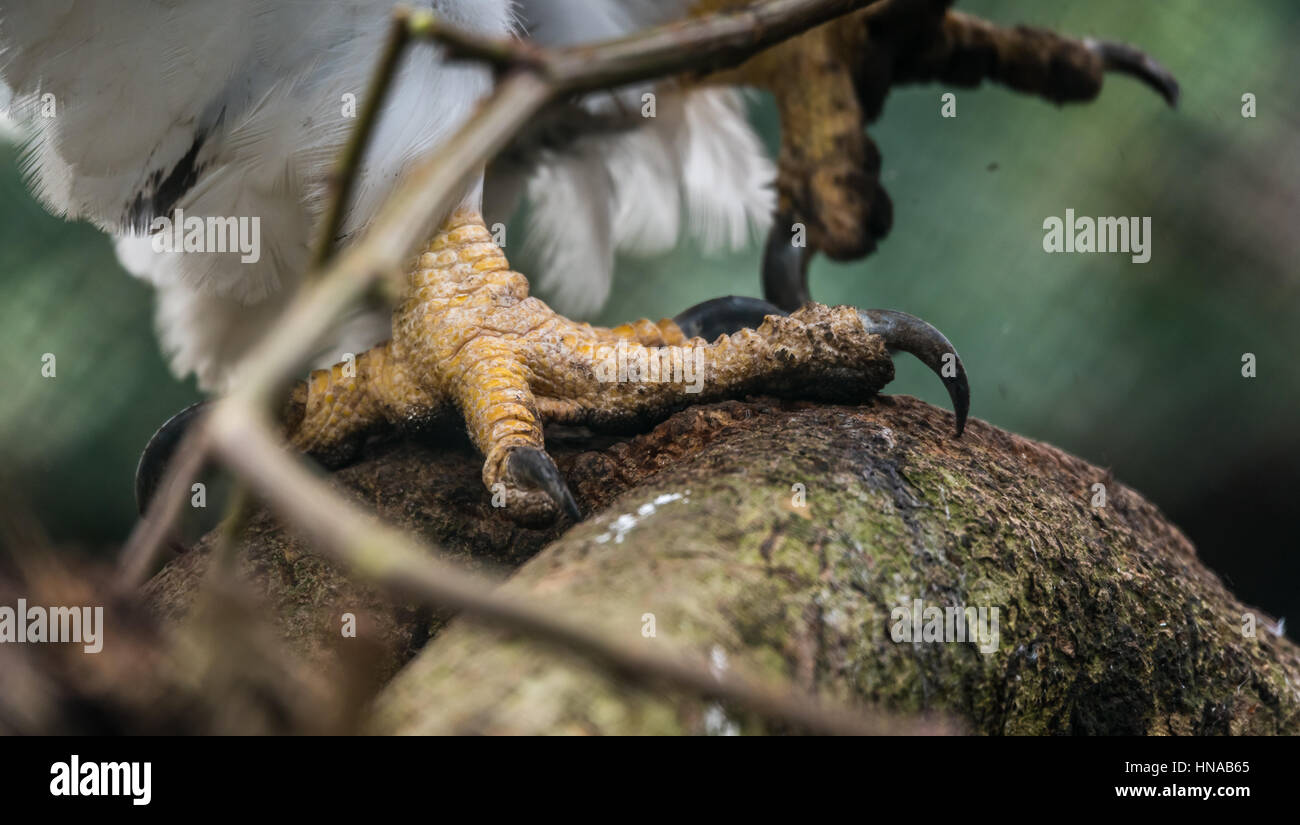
column 723, row 316
column 908, row 333
column 159, row 451
column 785, row 268
column 1124, row 59
column 534, row 468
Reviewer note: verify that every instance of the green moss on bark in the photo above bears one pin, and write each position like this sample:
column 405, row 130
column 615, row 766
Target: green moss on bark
column 1108, row 622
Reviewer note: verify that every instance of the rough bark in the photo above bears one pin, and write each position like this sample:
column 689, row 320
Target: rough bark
column 1108, row 622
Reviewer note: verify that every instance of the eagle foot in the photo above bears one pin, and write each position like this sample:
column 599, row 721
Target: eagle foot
column 831, row 83
column 467, row 338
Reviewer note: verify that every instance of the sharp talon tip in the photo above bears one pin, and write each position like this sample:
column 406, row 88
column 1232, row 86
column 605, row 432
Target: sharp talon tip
column 534, row 468
column 961, row 410
column 158, row 453
column 1125, row 59
column 907, row 333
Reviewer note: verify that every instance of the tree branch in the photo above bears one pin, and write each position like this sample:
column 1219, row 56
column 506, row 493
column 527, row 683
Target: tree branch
column 1108, row 623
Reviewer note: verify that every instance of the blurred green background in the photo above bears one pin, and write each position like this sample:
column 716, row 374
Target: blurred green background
column 1133, row 367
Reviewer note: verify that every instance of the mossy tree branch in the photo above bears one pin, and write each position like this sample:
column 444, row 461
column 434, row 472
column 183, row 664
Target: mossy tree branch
column 1108, row 623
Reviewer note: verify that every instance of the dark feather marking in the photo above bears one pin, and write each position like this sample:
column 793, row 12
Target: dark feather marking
column 161, row 194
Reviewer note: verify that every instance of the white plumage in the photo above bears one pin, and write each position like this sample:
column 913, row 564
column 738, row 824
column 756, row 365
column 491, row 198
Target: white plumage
column 239, row 109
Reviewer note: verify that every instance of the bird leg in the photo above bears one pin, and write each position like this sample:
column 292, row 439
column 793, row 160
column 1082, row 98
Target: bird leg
column 831, row 82
column 467, row 338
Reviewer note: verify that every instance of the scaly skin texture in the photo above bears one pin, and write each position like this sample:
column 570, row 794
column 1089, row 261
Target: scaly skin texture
column 469, row 339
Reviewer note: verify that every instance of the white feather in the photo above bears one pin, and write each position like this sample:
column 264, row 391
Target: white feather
column 698, row 156
column 726, row 173
column 570, row 230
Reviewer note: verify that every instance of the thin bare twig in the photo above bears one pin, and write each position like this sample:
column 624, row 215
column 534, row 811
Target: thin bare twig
column 698, row 46
column 349, row 163
column 238, row 513
column 139, row 555
column 464, row 45
column 701, row 45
